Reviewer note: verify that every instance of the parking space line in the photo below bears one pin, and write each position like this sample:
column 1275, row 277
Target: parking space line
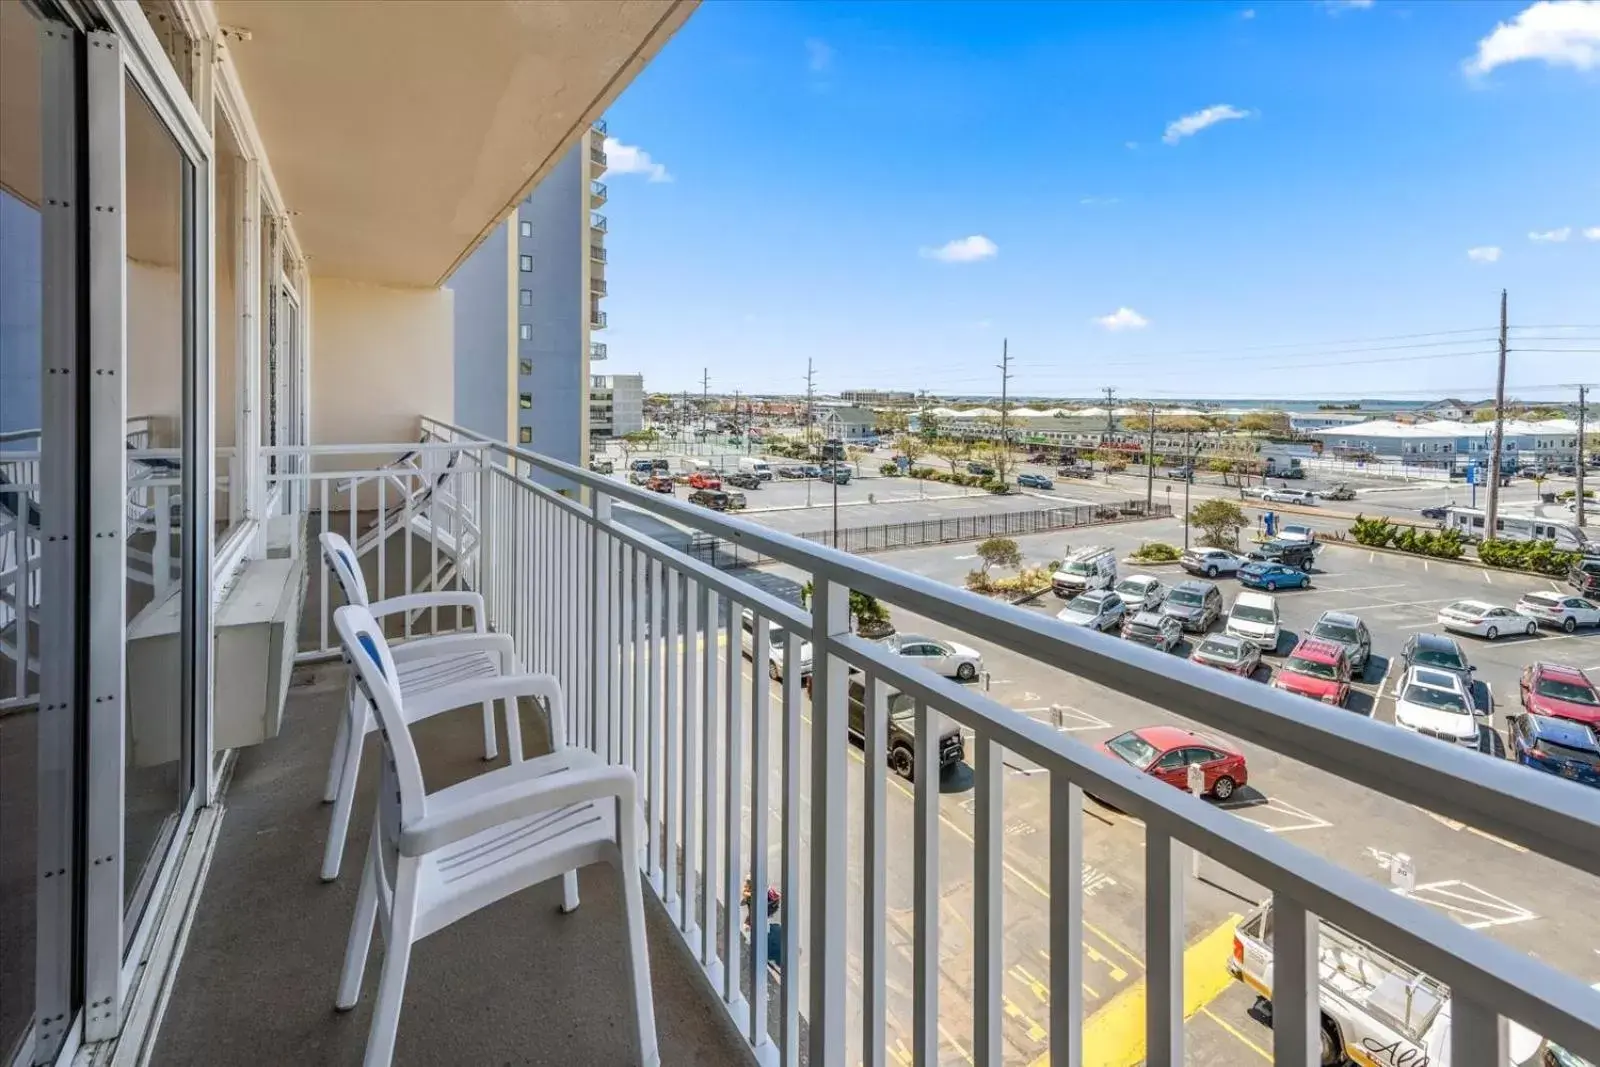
column 1230, row 1028
column 1361, row 588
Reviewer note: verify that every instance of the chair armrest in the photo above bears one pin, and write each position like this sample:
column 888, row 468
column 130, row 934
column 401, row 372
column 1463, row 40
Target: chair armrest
column 454, row 644
column 478, row 690
column 453, row 598
column 528, row 791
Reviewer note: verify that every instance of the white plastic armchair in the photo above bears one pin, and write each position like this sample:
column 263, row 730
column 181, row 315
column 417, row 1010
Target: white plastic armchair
column 438, row 857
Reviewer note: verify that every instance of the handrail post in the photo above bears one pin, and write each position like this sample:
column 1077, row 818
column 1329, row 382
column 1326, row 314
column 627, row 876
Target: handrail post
column 830, row 617
column 599, row 625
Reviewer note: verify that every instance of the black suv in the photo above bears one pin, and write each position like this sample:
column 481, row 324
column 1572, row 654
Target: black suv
column 743, row 480
column 1195, row 603
column 1297, row 554
column 902, row 737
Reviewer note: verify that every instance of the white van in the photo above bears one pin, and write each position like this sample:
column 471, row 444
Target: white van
column 1254, row 618
column 1509, row 526
column 1085, row 570
column 758, row 467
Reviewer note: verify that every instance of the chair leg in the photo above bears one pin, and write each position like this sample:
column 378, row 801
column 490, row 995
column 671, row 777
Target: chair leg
column 340, row 740
column 396, row 961
column 339, row 819
column 360, row 941
column 514, row 729
column 491, row 744
column 569, row 892
column 638, row 961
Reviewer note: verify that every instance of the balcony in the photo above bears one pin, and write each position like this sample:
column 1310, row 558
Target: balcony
column 597, row 161
column 597, row 286
column 599, row 127
column 597, row 351
column 597, row 253
column 597, row 222
column 597, row 320
column 597, row 194
column 911, row 908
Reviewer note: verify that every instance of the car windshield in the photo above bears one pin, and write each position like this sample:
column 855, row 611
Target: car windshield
column 902, row 709
column 1147, row 628
column 1571, row 692
column 1311, row 668
column 1446, row 657
column 1133, row 586
column 1543, row 600
column 1084, row 605
column 1135, row 749
column 1220, row 650
column 1334, row 631
column 1429, row 697
column 1246, row 613
column 1079, row 568
column 1186, row 597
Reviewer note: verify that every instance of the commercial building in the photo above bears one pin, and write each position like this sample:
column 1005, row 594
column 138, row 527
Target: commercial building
column 616, row 405
column 527, row 307
column 1444, row 442
column 877, row 396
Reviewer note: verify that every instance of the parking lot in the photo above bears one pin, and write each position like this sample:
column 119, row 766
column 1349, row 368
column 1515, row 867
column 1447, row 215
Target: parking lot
column 1492, row 885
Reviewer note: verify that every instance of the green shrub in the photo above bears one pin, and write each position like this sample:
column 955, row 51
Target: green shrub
column 1540, row 556
column 996, row 486
column 890, row 470
column 1374, row 533
column 922, row 472
column 1157, row 552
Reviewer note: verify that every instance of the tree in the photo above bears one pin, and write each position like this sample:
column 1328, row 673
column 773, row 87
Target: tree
column 1483, row 415
column 1271, row 422
column 892, row 422
column 928, row 426
column 855, row 453
column 911, row 446
column 867, row 610
column 1220, row 519
column 1174, row 424
column 953, row 451
column 999, row 552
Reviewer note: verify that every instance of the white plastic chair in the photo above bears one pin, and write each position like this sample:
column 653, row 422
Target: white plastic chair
column 425, row 664
column 438, row 857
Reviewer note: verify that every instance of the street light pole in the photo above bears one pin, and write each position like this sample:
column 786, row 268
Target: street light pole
column 1188, row 458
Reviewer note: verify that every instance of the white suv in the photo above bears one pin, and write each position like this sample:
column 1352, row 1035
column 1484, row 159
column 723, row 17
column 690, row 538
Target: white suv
column 1303, row 497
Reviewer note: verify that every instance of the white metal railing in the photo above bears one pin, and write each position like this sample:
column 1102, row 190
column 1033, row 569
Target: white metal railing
column 635, row 631
column 20, row 577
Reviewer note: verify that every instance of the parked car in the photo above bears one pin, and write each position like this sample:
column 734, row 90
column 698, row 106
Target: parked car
column 1301, row 497
column 902, row 733
column 1035, row 481
column 838, row 473
column 744, row 480
column 645, row 465
column 1152, row 628
column 1559, row 609
column 715, row 499
column 1297, row 554
column 1099, row 609
column 1341, row 491
column 736, row 500
column 704, row 480
column 811, row 470
column 640, row 477
column 1349, row 632
column 1560, row 691
column 1184, row 473
column 1273, row 576
column 1482, row 619
column 602, row 466
column 1084, row 570
column 1196, row 604
column 1227, row 654
column 1165, row 752
column 1584, row 576
column 1438, row 703
column 982, row 470
column 791, row 470
column 1297, row 531
column 1075, row 470
column 660, row 466
column 1436, row 651
column 660, row 484
column 1317, row 669
column 1141, row 592
column 1254, row 618
column 1555, row 746
column 1211, row 561
column 776, row 649
column 941, row 657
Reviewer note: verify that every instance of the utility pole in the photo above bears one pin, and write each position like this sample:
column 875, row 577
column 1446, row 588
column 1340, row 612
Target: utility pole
column 1150, row 464
column 1583, row 393
column 810, row 390
column 1111, row 420
column 1004, row 367
column 1493, row 509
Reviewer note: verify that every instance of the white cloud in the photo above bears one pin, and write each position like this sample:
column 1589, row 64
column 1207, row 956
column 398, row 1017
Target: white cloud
column 1248, row 13
column 1483, row 254
column 1190, row 125
column 819, row 54
column 631, row 159
column 1122, row 319
column 1560, row 33
column 1592, row 233
column 1550, row 236
column 963, row 250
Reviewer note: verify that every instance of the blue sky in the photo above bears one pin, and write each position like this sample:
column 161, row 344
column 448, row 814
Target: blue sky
column 791, row 176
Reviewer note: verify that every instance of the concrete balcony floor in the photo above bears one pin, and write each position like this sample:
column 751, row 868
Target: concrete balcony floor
column 517, row 983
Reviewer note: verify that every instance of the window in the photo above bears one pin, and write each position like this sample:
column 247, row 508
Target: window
column 525, row 435
column 525, row 331
column 524, row 366
column 526, row 230
column 525, row 401
column 525, row 298
column 526, row 262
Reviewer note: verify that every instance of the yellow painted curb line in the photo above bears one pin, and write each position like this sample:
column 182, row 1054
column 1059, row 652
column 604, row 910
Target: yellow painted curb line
column 1114, row 1036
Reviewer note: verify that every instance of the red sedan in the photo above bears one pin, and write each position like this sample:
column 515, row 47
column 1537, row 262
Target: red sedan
column 1166, row 752
column 1563, row 692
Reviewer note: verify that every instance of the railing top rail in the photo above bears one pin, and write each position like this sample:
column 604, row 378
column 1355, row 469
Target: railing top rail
column 1497, row 796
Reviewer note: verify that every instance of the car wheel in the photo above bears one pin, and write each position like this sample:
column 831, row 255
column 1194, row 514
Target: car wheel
column 1211, row 572
column 773, row 672
column 1223, row 789
column 1491, row 633
column 966, row 672
column 901, row 762
column 1569, row 624
column 1331, row 1054
column 1272, row 587
column 1533, row 628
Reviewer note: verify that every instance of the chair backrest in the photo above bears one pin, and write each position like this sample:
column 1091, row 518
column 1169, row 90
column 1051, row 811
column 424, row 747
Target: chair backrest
column 402, row 798
column 341, row 560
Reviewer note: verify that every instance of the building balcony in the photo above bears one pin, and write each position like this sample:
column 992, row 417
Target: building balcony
column 597, row 194
column 597, row 320
column 597, row 253
column 597, row 351
column 599, row 127
column 931, row 915
column 597, row 161
column 597, row 222
column 597, row 286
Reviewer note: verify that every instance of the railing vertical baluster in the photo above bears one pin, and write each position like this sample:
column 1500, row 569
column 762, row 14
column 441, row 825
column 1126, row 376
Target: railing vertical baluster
column 789, row 957
column 405, row 516
column 1296, row 1019
column 433, row 548
column 989, row 945
column 641, row 725
column 1164, row 865
column 733, row 798
column 383, row 576
column 830, row 723
column 325, row 611
column 1478, row 1033
column 1066, row 921
column 624, row 652
column 693, row 717
column 710, row 841
column 673, row 750
column 760, row 777
column 875, row 756
column 600, row 624
column 925, row 889
column 656, row 652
